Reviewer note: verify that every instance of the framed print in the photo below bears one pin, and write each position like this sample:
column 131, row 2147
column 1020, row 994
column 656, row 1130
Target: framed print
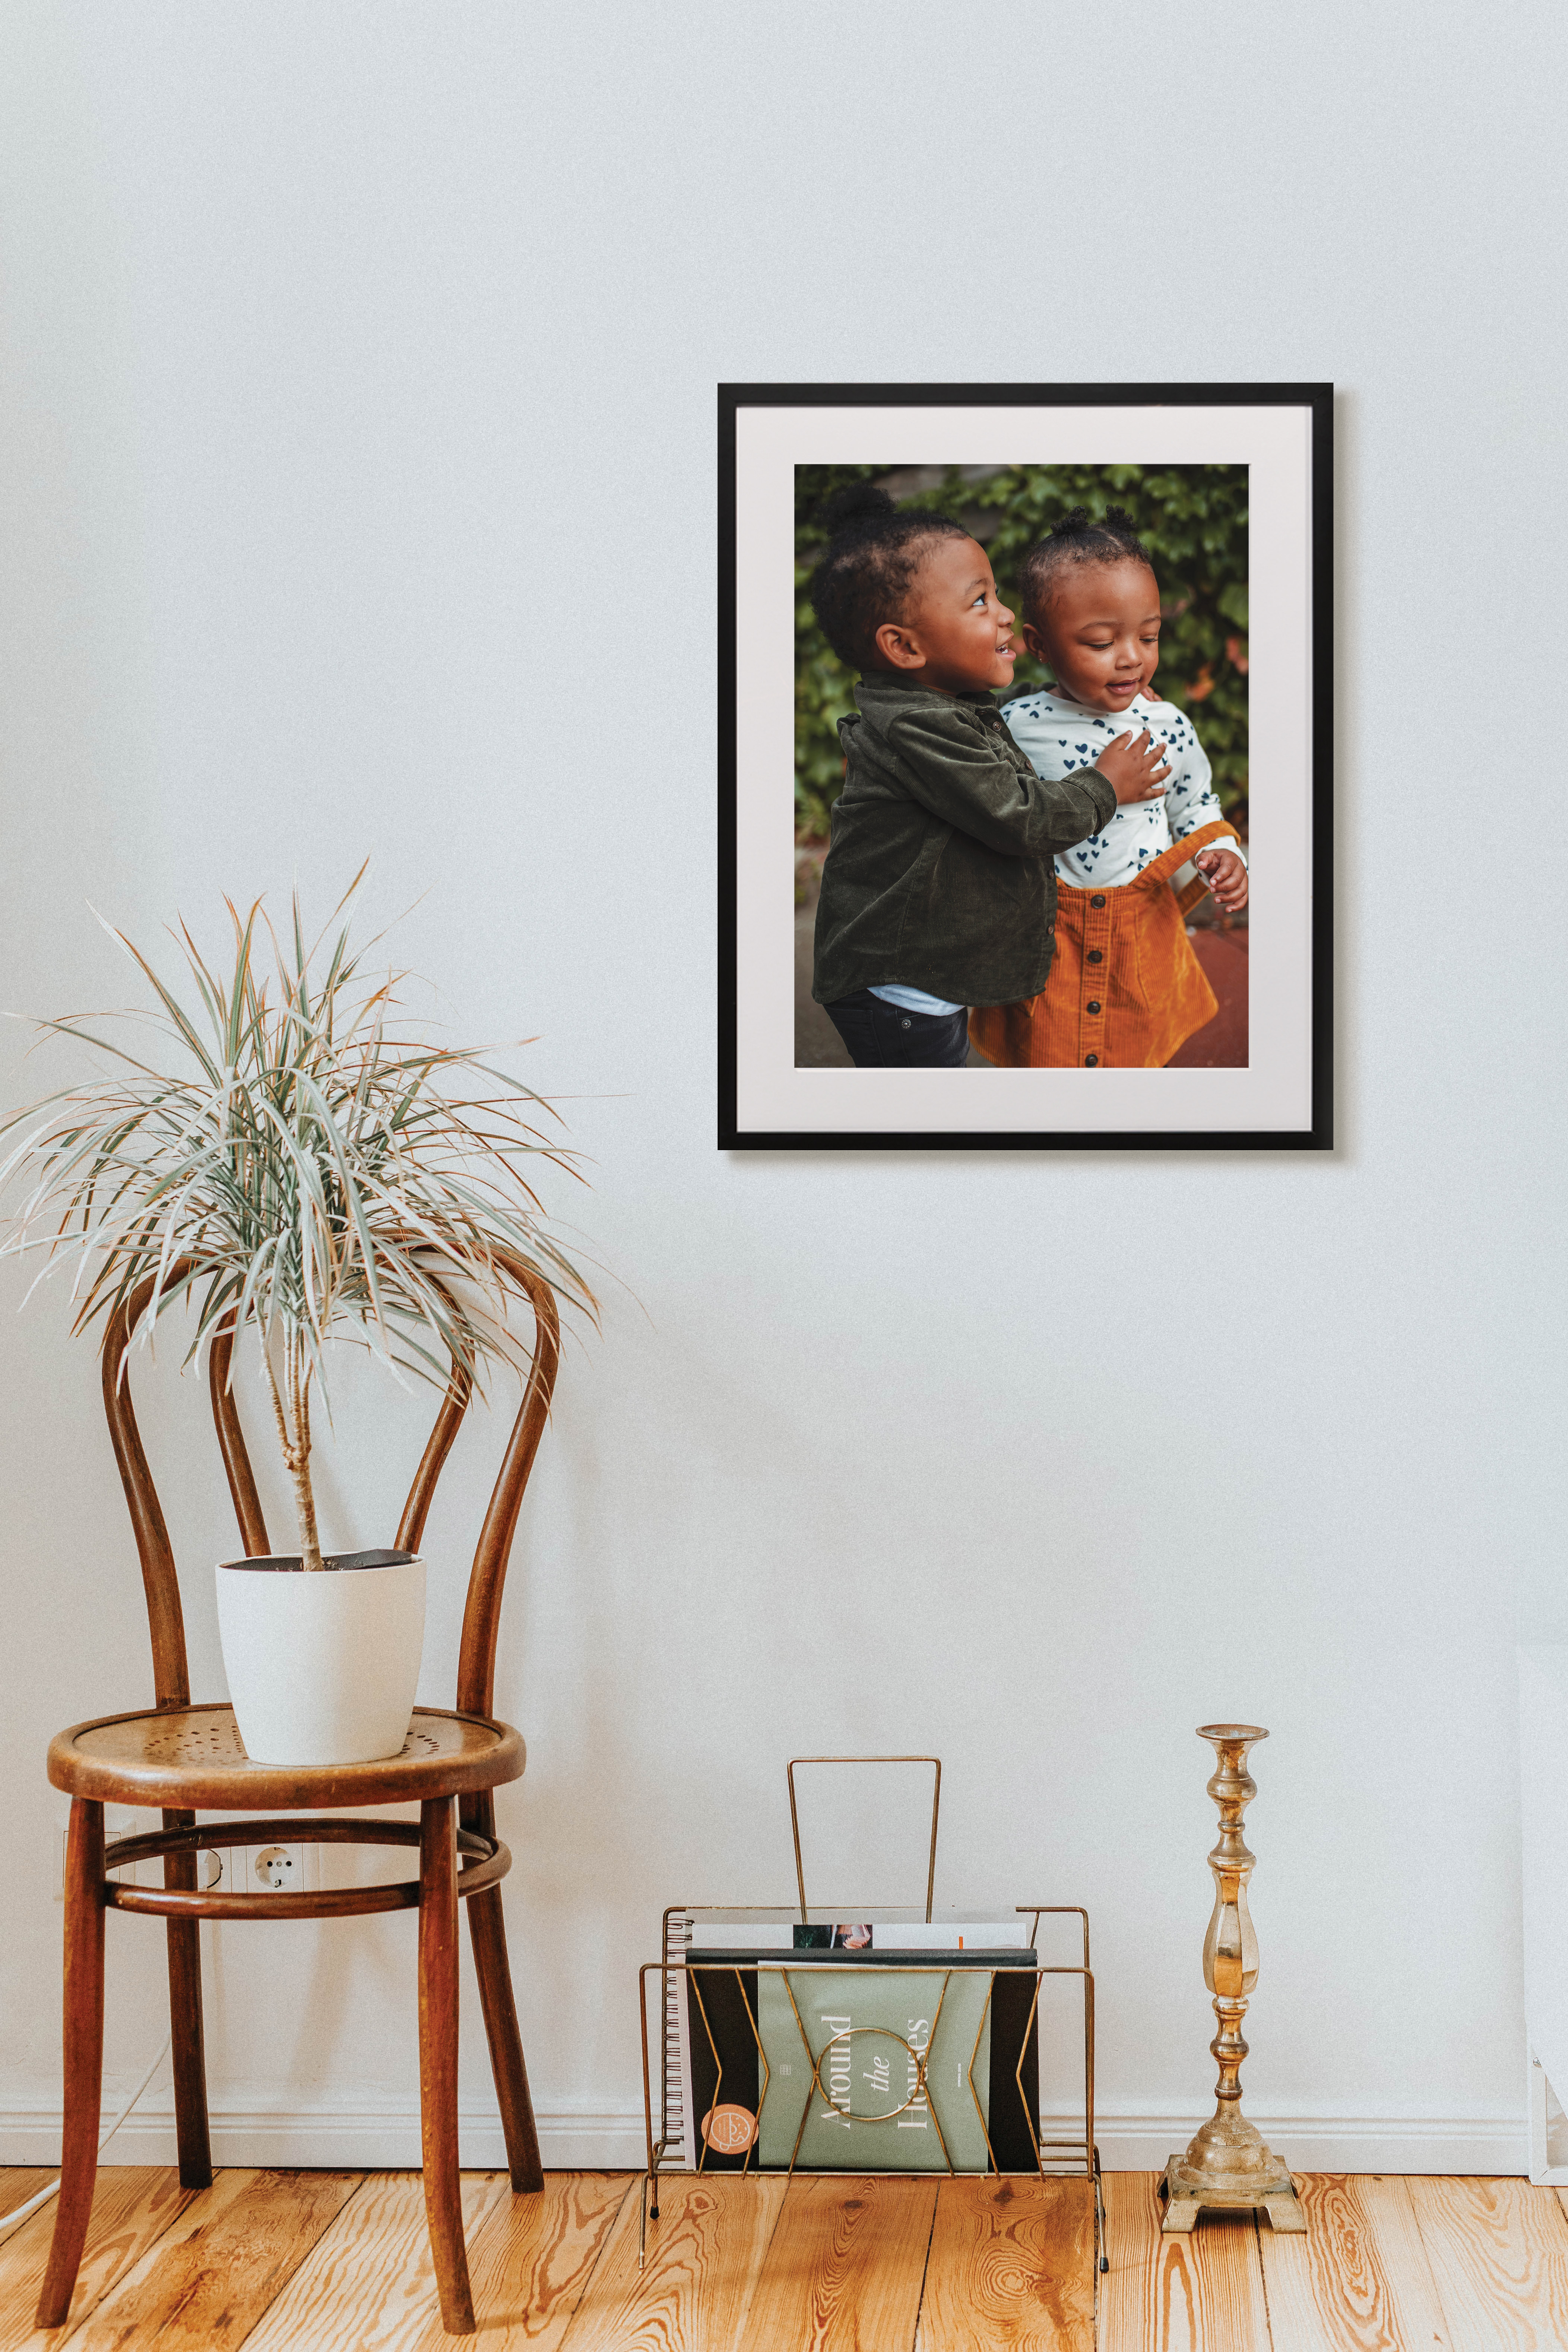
column 1025, row 783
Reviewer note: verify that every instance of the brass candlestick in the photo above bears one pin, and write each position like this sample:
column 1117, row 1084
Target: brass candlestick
column 1228, row 2163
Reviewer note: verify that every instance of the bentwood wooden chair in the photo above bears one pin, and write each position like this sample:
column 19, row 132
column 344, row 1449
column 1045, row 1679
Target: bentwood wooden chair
column 178, row 1758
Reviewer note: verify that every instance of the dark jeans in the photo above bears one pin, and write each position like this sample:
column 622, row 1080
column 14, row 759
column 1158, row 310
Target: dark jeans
column 883, row 1036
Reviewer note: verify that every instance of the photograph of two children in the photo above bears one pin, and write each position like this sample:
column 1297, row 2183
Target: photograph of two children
column 1050, row 669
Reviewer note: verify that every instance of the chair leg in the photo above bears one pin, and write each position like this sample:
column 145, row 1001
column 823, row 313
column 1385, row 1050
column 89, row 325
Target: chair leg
column 83, row 2056
column 186, row 2018
column 486, row 1927
column 439, row 2059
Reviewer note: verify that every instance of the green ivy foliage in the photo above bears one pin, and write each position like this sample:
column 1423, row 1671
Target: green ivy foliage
column 1192, row 520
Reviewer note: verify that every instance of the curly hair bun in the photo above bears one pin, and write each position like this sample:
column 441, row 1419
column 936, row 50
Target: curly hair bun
column 857, row 502
column 865, row 573
column 1074, row 525
column 1077, row 539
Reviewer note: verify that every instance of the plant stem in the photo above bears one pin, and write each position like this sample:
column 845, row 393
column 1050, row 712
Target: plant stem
column 304, row 1496
column 295, row 1441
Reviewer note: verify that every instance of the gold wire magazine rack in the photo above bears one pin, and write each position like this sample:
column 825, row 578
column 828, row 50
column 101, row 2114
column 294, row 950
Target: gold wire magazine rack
column 773, row 2019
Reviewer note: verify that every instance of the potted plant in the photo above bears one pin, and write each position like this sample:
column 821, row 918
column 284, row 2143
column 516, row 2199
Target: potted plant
column 282, row 1154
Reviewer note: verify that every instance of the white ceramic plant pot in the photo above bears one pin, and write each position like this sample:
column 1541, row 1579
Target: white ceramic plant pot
column 322, row 1668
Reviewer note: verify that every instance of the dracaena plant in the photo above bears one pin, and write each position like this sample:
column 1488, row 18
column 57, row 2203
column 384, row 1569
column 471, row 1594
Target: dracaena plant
column 286, row 1152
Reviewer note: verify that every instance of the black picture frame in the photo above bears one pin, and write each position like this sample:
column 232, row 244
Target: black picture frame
column 1316, row 1133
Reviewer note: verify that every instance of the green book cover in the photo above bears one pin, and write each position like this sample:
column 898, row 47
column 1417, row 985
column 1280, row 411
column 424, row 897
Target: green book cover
column 867, row 2026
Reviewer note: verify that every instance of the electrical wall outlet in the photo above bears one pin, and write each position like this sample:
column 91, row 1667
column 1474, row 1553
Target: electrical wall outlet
column 222, row 1871
column 272, row 1869
column 276, row 1869
column 226, row 1869
column 119, row 1820
column 256, row 1869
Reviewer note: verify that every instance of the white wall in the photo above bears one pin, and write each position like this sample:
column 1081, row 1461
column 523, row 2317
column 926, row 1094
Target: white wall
column 358, row 431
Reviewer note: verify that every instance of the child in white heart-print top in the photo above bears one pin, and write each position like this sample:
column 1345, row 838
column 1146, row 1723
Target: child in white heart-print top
column 1126, row 989
column 1093, row 616
column 1059, row 736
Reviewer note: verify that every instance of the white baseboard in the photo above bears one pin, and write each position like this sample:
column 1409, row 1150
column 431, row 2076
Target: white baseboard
column 375, row 2140
column 1462, row 2144
column 572, row 2141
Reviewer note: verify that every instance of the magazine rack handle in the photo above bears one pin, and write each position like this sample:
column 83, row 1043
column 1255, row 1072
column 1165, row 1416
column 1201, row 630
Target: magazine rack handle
column 935, row 1763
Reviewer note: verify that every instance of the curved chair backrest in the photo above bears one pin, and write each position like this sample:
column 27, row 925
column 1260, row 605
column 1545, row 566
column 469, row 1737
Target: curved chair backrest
column 487, row 1578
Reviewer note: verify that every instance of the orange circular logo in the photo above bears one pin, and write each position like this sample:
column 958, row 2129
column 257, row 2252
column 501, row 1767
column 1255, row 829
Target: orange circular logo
column 729, row 2131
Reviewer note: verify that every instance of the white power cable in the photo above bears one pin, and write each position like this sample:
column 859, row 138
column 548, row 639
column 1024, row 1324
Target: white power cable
column 9, row 2221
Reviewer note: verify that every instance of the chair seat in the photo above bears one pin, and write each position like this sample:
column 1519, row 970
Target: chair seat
column 188, row 1757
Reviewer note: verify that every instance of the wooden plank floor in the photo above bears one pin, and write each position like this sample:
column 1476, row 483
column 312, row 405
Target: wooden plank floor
column 323, row 2262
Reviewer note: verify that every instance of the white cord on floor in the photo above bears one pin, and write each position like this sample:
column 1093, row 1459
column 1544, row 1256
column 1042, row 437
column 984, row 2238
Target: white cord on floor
column 8, row 2222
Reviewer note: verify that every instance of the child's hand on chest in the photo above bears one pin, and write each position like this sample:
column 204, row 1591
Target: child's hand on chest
column 1060, row 742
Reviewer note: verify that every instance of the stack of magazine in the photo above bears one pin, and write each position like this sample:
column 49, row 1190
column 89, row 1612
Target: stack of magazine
column 892, row 2043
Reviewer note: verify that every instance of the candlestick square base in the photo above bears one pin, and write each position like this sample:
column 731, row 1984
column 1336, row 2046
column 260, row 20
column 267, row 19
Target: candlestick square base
column 1273, row 2194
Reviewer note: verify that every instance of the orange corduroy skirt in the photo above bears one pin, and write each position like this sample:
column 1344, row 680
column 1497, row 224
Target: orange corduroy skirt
column 1125, row 991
